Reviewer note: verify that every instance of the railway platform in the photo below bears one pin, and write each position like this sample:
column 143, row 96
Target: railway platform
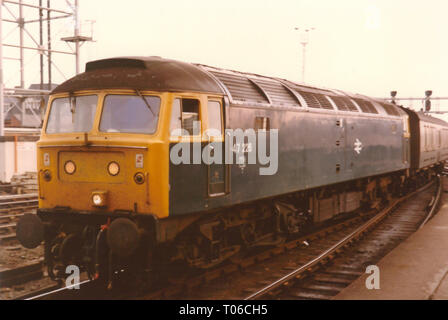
column 417, row 269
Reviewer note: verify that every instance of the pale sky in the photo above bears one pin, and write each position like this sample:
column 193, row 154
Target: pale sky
column 361, row 46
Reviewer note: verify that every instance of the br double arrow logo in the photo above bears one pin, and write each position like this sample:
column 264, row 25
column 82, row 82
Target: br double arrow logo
column 358, row 146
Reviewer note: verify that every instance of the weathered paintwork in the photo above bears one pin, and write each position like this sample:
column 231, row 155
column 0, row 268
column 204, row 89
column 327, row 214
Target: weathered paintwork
column 92, row 153
column 320, row 141
column 349, row 142
column 315, row 149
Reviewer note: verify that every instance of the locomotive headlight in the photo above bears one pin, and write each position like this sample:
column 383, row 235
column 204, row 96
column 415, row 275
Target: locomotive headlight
column 113, row 168
column 70, row 167
column 99, row 198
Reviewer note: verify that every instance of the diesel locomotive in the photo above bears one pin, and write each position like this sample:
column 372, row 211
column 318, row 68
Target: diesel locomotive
column 111, row 198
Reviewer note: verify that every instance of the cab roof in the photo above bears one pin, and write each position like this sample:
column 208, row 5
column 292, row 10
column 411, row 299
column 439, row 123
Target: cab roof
column 142, row 73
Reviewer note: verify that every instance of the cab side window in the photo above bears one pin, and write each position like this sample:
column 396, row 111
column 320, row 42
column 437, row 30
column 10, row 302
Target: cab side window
column 184, row 113
column 214, row 118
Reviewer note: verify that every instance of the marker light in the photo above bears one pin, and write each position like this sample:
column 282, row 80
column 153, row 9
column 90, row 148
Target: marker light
column 70, row 167
column 113, row 168
column 47, row 175
column 139, row 178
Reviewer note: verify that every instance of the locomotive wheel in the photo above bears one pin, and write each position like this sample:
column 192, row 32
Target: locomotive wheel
column 70, row 248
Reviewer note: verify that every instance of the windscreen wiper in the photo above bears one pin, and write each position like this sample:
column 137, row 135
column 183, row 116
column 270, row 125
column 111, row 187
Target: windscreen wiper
column 146, row 102
column 72, row 102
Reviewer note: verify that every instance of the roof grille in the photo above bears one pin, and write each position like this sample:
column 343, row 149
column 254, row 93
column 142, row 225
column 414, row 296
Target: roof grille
column 324, row 102
column 390, row 109
column 310, row 99
column 277, row 92
column 344, row 103
column 366, row 106
column 315, row 100
column 241, row 88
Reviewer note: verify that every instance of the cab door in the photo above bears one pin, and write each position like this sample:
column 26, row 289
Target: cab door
column 187, row 172
column 217, row 170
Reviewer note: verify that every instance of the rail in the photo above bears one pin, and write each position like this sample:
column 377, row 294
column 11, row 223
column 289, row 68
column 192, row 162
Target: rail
column 339, row 245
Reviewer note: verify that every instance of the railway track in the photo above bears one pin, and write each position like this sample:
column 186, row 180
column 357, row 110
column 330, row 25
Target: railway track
column 301, row 267
column 343, row 262
column 22, row 274
column 178, row 285
column 18, row 202
column 315, row 266
column 18, row 266
column 11, row 208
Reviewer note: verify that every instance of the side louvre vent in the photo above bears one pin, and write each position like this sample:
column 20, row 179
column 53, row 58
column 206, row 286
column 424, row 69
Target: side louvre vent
column 241, row 88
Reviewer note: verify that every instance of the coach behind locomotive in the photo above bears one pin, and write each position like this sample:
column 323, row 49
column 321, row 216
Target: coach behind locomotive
column 111, row 199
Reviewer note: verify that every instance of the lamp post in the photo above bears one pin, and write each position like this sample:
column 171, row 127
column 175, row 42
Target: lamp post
column 304, row 39
column 428, row 94
column 2, row 86
column 393, row 94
